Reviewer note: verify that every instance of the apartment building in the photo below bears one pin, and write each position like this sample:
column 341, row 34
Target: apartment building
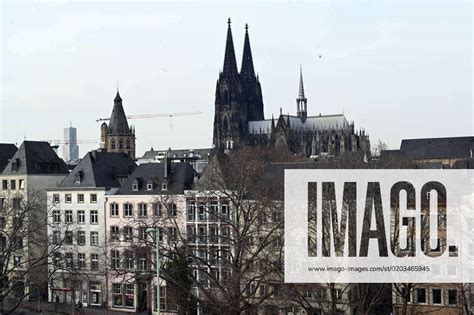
column 76, row 228
column 34, row 168
column 152, row 197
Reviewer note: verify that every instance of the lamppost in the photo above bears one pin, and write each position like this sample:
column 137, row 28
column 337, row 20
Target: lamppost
column 157, row 244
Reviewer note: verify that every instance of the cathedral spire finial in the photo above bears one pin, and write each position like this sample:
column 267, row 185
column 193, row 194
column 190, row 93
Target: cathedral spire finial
column 230, row 63
column 301, row 88
column 247, row 71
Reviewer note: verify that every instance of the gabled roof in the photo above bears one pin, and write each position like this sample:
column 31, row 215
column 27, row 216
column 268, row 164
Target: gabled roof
column 35, row 158
column 7, row 150
column 180, row 177
column 100, row 169
column 438, row 148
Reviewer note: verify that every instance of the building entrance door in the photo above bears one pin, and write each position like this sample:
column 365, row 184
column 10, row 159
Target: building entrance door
column 142, row 297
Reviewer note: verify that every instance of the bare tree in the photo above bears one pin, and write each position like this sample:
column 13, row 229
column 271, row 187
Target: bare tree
column 378, row 148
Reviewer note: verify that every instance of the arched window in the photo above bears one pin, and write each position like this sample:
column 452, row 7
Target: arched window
column 120, row 143
column 128, row 143
column 112, row 144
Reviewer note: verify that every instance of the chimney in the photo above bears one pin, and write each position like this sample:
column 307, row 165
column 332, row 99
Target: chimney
column 167, row 165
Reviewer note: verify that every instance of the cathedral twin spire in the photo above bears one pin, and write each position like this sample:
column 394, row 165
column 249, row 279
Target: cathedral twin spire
column 230, row 63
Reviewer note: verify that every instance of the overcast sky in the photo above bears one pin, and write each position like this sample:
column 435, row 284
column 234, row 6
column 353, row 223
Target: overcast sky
column 399, row 69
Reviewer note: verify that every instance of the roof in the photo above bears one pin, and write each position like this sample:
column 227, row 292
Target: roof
column 180, row 177
column 180, row 153
column 311, row 123
column 35, row 158
column 100, row 169
column 438, row 148
column 7, row 150
column 118, row 121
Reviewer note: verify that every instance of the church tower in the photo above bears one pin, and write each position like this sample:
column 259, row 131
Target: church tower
column 118, row 136
column 251, row 85
column 301, row 100
column 231, row 115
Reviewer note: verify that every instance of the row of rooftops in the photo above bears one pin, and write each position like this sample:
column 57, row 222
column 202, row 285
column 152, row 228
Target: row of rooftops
column 172, row 175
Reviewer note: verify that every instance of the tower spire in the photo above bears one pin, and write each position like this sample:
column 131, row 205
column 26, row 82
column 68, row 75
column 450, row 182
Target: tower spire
column 247, row 70
column 301, row 101
column 230, row 64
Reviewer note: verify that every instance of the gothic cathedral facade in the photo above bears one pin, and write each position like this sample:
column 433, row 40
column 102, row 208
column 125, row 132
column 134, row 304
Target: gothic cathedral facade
column 239, row 118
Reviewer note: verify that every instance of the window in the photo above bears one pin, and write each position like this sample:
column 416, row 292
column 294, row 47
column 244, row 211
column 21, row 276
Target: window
column 114, row 233
column 115, row 261
column 143, row 264
column 78, row 177
column 128, row 233
column 225, row 210
column 135, row 185
column 81, row 260
column 436, row 296
column 127, row 210
column 129, row 295
column 337, row 294
column 149, row 185
column 129, row 261
column 142, row 210
column 142, row 235
column 81, row 238
column 94, row 261
column 213, row 211
column 117, row 299
column 452, row 297
column 57, row 259
column 21, row 184
column 68, row 198
column 55, row 198
column 12, row 184
column 56, row 237
column 191, row 207
column 56, row 216
column 80, row 198
column 93, row 198
column 421, row 295
column 114, row 211
column 16, row 261
column 81, row 216
column 94, row 217
column 94, row 238
column 157, row 209
column 68, row 216
column 308, row 294
column 69, row 260
column 172, row 210
column 68, row 237
column 164, row 186
column 201, row 213
column 4, row 184
column 16, row 203
column 2, row 203
column 172, row 233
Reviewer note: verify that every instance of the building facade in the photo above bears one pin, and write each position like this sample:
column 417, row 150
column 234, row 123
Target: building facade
column 34, row 168
column 76, row 228
column 239, row 115
column 152, row 197
column 118, row 136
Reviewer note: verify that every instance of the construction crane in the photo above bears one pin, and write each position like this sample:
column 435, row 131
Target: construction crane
column 155, row 115
column 67, row 141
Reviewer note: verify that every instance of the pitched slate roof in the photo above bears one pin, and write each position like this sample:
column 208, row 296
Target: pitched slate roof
column 35, row 158
column 181, row 153
column 118, row 121
column 181, row 177
column 438, row 148
column 100, row 169
column 311, row 123
column 7, row 150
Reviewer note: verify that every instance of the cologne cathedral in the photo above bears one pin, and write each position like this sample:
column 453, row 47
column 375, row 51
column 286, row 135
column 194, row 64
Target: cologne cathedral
column 239, row 119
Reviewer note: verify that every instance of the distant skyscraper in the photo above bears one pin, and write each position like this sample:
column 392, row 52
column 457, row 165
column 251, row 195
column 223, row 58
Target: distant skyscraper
column 70, row 147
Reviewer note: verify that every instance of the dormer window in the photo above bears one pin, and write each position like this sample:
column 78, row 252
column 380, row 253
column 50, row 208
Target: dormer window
column 135, row 185
column 78, row 177
column 149, row 185
column 164, row 185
